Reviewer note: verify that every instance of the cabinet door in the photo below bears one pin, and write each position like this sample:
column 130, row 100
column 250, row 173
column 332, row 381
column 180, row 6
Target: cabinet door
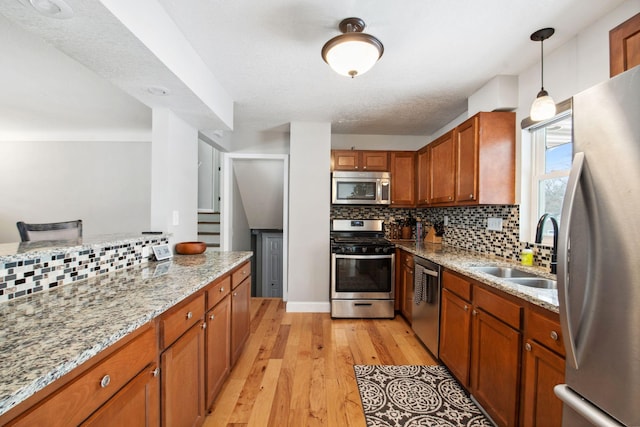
column 467, row 161
column 442, row 169
column 402, row 179
column 240, row 318
column 543, row 370
column 345, row 160
column 407, row 285
column 137, row 404
column 182, row 379
column 375, row 161
column 624, row 46
column 423, row 176
column 455, row 335
column 218, row 347
column 495, row 367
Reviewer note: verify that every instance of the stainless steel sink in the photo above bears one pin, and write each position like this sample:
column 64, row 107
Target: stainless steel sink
column 535, row 282
column 504, row 272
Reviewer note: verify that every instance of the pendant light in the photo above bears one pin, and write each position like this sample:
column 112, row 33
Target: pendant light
column 352, row 53
column 543, row 106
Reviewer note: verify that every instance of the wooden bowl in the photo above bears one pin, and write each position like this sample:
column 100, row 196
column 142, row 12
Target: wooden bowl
column 190, row 248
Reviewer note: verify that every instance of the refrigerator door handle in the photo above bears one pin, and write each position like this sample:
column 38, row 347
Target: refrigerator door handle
column 584, row 408
column 563, row 259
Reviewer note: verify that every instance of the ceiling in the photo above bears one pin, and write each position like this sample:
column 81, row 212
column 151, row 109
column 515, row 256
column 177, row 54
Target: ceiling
column 266, row 55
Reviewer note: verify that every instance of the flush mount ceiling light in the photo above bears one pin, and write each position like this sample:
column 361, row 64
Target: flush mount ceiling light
column 352, row 53
column 58, row 9
column 543, row 107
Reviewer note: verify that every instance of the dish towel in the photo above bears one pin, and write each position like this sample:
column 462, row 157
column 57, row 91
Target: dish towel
column 421, row 292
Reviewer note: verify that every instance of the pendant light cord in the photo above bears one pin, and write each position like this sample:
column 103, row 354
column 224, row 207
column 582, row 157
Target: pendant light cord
column 542, row 64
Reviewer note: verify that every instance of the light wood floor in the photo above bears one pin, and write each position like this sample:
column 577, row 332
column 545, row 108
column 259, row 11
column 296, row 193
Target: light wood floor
column 297, row 368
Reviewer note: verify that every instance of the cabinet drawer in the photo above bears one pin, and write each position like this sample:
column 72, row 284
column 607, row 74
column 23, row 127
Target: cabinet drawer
column 75, row 402
column 457, row 285
column 240, row 274
column 218, row 290
column 545, row 331
column 505, row 310
column 179, row 319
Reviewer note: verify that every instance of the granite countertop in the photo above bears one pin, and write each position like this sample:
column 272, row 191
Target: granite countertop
column 460, row 260
column 45, row 336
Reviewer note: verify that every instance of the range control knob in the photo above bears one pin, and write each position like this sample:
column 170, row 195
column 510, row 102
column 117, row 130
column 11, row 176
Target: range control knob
column 364, row 249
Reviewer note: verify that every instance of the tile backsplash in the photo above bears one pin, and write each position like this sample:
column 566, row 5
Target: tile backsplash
column 28, row 273
column 467, row 227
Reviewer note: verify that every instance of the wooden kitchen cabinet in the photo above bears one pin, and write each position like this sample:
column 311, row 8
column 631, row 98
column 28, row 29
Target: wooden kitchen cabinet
column 480, row 343
column 544, row 367
column 403, row 178
column 102, row 384
column 485, row 159
column 137, row 404
column 455, row 325
column 422, row 176
column 360, row 160
column 406, row 284
column 218, row 345
column 240, row 314
column 442, row 169
column 182, row 364
column 624, row 46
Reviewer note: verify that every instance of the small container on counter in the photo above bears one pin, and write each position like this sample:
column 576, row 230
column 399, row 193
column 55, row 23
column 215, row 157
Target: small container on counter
column 526, row 256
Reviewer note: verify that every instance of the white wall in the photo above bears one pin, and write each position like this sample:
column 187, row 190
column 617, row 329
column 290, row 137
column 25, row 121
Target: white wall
column 310, row 163
column 206, row 175
column 241, row 232
column 174, row 175
column 261, row 188
column 106, row 184
column 247, row 140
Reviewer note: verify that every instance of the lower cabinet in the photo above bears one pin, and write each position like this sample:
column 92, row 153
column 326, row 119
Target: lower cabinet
column 482, row 344
column 135, row 405
column 543, row 369
column 182, row 367
column 495, row 367
column 218, row 348
column 240, row 314
column 406, row 279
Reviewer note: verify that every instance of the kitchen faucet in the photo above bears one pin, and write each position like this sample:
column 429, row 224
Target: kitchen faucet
column 554, row 251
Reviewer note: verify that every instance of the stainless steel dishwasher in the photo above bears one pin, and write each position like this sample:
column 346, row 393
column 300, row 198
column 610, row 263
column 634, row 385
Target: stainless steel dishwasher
column 426, row 303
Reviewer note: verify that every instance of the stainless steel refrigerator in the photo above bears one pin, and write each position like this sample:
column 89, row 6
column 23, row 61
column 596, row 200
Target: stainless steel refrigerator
column 599, row 258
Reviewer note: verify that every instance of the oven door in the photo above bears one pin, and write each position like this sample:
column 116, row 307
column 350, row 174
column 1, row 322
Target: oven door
column 362, row 276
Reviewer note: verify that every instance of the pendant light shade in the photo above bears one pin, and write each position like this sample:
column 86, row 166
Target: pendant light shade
column 352, row 53
column 543, row 107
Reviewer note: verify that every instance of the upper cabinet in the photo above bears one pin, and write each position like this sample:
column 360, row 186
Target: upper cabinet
column 624, row 46
column 422, row 176
column 473, row 164
column 360, row 160
column 403, row 178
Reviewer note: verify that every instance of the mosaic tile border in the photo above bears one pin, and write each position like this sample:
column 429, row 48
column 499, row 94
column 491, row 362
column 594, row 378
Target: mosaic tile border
column 466, row 227
column 29, row 273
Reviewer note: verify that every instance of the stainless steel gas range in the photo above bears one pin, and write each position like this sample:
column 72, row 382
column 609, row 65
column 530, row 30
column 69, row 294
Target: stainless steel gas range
column 362, row 270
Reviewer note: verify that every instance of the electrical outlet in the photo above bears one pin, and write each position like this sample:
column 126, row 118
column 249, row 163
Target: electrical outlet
column 176, row 217
column 494, row 224
column 446, row 220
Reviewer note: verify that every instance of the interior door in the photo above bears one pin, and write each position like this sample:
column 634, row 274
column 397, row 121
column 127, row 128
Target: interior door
column 272, row 265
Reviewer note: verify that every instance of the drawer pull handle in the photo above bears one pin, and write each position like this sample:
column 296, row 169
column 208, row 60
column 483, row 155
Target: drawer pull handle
column 105, row 381
column 155, row 372
column 554, row 335
column 189, row 315
column 527, row 347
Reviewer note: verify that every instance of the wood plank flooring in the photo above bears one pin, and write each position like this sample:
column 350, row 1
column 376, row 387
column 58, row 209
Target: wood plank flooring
column 297, row 368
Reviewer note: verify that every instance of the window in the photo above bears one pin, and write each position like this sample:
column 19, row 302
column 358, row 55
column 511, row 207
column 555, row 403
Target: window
column 552, row 153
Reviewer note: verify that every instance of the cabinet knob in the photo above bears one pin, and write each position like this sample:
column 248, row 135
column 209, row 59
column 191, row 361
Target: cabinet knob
column 212, row 317
column 474, row 312
column 466, row 307
column 527, row 347
column 357, row 167
column 222, row 289
column 554, row 335
column 105, row 381
column 471, row 196
column 204, row 325
column 155, row 372
column 450, row 198
column 235, row 294
column 189, row 315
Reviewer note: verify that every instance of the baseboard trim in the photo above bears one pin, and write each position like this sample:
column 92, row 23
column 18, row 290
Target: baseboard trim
column 308, row 307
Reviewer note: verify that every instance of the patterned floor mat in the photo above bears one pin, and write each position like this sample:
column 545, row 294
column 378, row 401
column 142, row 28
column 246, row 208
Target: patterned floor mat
column 412, row 396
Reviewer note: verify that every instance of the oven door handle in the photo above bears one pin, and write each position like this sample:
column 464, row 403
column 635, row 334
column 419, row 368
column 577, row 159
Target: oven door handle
column 364, row 256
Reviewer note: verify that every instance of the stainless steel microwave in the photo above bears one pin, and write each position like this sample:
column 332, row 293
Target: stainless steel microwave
column 361, row 188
